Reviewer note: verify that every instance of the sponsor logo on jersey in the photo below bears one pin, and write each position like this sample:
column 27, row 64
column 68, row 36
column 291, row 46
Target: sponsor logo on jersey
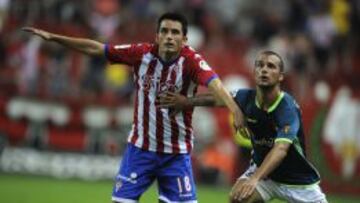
column 203, row 65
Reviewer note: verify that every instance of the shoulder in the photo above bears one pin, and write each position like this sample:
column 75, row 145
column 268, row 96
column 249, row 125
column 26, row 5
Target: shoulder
column 194, row 59
column 188, row 52
column 288, row 106
column 191, row 55
column 289, row 102
column 240, row 91
column 243, row 94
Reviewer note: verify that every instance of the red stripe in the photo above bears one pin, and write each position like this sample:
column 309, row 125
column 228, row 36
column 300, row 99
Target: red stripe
column 173, row 123
column 148, row 85
column 187, row 115
column 159, row 116
column 135, row 135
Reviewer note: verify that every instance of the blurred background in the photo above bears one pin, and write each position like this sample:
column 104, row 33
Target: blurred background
column 64, row 116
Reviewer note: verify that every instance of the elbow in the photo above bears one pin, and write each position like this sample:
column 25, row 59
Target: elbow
column 94, row 52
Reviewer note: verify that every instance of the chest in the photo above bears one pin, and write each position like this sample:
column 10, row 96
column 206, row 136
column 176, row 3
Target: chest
column 262, row 124
column 153, row 75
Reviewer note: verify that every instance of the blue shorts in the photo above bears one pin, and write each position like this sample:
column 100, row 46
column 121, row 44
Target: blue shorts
column 139, row 169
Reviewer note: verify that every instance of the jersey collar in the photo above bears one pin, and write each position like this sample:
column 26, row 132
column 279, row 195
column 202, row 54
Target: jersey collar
column 274, row 105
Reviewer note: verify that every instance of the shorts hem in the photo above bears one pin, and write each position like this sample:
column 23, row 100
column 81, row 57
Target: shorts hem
column 163, row 198
column 123, row 200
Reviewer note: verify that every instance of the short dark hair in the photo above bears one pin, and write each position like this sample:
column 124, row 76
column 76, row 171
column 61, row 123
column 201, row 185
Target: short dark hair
column 281, row 64
column 175, row 17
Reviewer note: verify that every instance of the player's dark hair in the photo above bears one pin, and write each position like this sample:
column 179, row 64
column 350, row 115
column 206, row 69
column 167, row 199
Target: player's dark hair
column 281, row 64
column 175, row 17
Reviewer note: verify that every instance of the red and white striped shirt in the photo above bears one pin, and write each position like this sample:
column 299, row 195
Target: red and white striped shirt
column 153, row 129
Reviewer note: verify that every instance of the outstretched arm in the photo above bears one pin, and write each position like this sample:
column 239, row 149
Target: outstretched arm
column 223, row 96
column 86, row 46
column 180, row 102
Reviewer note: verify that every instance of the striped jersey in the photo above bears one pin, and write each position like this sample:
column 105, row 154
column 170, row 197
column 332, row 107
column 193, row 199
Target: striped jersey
column 153, row 128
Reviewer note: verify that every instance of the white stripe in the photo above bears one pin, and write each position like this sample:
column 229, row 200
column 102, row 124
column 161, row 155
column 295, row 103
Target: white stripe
column 179, row 118
column 152, row 109
column 166, row 121
column 165, row 199
column 142, row 72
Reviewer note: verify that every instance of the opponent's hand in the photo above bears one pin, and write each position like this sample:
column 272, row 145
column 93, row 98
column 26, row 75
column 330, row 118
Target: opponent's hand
column 243, row 189
column 41, row 33
column 173, row 101
column 239, row 122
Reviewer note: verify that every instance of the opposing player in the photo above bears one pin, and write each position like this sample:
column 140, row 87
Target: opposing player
column 159, row 143
column 279, row 168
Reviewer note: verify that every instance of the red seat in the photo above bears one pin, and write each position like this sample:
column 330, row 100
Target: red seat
column 15, row 131
column 67, row 139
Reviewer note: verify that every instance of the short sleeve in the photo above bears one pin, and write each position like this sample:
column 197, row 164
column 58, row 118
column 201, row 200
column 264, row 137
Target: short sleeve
column 128, row 54
column 200, row 71
column 288, row 125
column 240, row 96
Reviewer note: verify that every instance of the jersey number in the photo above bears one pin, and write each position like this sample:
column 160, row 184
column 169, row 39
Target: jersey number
column 184, row 184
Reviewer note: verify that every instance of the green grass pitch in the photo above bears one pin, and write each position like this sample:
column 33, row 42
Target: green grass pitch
column 34, row 189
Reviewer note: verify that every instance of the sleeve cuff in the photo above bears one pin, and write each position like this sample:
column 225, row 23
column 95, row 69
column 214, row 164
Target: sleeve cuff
column 211, row 78
column 283, row 140
column 106, row 50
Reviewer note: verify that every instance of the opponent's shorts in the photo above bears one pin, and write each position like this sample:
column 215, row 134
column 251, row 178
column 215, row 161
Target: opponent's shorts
column 269, row 189
column 139, row 169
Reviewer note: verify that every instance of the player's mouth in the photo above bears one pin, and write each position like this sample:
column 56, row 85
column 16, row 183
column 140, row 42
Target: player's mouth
column 169, row 45
column 264, row 78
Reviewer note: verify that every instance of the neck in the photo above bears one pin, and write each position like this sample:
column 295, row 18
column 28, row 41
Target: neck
column 266, row 96
column 167, row 56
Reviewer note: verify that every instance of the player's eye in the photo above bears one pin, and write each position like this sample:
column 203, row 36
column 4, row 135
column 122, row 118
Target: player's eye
column 259, row 64
column 163, row 30
column 271, row 65
column 175, row 31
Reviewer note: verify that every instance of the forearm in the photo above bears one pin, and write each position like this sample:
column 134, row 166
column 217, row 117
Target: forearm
column 86, row 46
column 222, row 97
column 271, row 161
column 204, row 100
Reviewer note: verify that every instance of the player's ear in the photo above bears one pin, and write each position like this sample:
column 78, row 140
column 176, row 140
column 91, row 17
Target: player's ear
column 185, row 39
column 281, row 78
column 157, row 38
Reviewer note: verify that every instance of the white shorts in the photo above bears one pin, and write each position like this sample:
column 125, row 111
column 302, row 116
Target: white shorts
column 269, row 189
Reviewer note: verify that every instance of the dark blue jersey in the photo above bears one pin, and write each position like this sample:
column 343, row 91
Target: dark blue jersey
column 281, row 122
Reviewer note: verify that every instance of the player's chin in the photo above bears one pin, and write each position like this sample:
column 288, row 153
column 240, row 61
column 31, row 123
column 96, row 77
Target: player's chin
column 264, row 85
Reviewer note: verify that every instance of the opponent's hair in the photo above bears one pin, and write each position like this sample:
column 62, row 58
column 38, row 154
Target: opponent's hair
column 175, row 17
column 268, row 52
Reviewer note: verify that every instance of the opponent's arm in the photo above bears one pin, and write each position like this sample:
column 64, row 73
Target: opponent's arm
column 271, row 161
column 223, row 96
column 86, row 46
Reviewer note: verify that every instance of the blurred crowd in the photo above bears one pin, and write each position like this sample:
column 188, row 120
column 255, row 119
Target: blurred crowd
column 318, row 39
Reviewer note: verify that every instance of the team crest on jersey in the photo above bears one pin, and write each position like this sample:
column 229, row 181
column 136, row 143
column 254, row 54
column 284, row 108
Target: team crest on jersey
column 286, row 129
column 203, row 65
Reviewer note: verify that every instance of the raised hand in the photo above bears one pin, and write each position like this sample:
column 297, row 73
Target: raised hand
column 43, row 34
